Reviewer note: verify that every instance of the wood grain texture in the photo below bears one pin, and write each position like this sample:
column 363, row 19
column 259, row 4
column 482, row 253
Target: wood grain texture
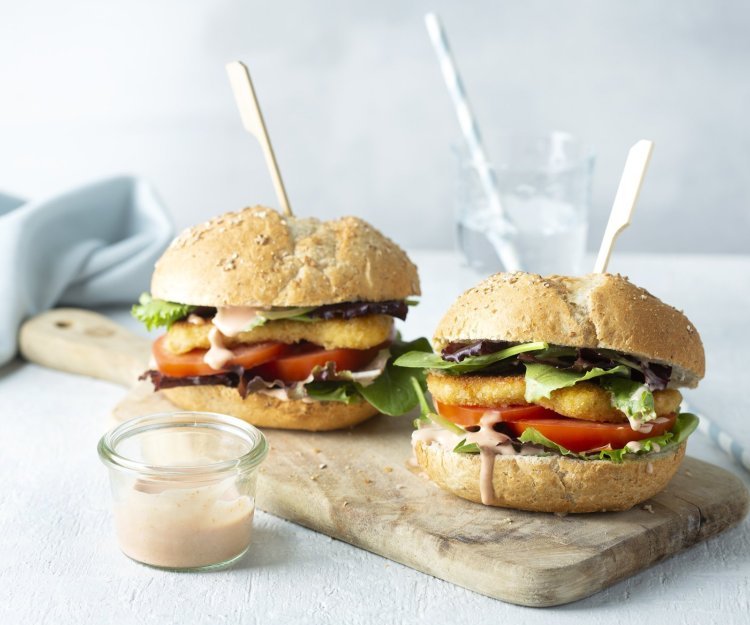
column 84, row 342
column 356, row 486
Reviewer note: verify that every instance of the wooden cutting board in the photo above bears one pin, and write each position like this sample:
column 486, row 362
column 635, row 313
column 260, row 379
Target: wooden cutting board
column 358, row 486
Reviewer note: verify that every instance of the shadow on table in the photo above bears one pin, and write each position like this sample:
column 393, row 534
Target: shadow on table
column 269, row 547
column 11, row 367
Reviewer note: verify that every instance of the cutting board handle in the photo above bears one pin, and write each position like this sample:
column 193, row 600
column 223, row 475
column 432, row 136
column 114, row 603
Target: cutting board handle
column 86, row 343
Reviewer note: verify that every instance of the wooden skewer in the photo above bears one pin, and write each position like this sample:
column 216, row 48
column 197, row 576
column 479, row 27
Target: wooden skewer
column 625, row 200
column 252, row 119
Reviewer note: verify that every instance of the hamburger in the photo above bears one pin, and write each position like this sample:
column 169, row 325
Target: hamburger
column 281, row 321
column 557, row 394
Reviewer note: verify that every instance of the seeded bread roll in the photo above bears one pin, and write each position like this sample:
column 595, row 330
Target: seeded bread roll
column 257, row 257
column 552, row 483
column 597, row 311
column 268, row 412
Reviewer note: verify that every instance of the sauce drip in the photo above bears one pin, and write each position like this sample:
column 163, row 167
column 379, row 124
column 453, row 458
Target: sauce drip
column 486, row 471
column 645, row 426
column 490, row 442
column 218, row 355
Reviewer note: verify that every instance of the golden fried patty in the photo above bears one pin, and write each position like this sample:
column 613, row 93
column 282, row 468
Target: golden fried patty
column 358, row 333
column 582, row 401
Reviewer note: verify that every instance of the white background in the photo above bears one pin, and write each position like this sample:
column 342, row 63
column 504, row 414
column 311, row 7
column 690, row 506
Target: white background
column 358, row 112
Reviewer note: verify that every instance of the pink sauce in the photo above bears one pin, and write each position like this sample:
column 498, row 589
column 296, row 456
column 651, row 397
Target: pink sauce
column 645, row 427
column 184, row 527
column 435, row 434
column 487, row 436
column 228, row 321
column 490, row 443
column 231, row 320
column 640, row 426
column 486, row 471
column 218, row 354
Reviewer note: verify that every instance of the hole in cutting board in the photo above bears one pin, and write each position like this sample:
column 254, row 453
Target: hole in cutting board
column 63, row 324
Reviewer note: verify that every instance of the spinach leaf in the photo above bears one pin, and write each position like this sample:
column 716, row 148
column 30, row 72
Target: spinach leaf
column 344, row 392
column 392, row 392
column 430, row 360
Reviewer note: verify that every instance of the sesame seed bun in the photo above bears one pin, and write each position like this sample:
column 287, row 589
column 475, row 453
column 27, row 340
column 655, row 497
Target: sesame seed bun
column 552, row 483
column 596, row 311
column 268, row 412
column 257, row 257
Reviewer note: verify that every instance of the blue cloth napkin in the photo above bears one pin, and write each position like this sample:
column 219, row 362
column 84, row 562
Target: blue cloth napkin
column 91, row 246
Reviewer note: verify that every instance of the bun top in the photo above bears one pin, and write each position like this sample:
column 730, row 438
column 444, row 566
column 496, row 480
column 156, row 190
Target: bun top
column 257, row 257
column 596, row 311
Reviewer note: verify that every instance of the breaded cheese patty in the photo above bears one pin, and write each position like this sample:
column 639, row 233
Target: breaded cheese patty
column 357, row 333
column 582, row 401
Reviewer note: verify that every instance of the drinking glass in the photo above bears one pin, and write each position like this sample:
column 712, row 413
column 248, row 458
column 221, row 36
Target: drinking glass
column 544, row 184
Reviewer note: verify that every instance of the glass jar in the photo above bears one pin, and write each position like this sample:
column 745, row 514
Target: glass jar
column 183, row 487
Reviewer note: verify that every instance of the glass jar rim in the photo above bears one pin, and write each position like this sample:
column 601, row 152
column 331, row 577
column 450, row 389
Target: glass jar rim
column 249, row 460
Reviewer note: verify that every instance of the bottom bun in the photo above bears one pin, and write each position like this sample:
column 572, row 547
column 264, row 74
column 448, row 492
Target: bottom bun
column 552, row 483
column 268, row 412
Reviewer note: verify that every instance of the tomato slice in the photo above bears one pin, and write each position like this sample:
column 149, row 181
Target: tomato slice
column 298, row 364
column 580, row 435
column 574, row 434
column 470, row 415
column 192, row 364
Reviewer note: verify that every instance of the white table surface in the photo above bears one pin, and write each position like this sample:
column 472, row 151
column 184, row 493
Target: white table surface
column 59, row 562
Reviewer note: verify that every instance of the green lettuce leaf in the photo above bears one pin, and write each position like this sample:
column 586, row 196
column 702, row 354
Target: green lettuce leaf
column 631, row 398
column 531, row 435
column 428, row 413
column 418, row 346
column 683, row 427
column 293, row 314
column 430, row 360
column 541, row 380
column 155, row 313
column 393, row 392
column 343, row 392
column 463, row 448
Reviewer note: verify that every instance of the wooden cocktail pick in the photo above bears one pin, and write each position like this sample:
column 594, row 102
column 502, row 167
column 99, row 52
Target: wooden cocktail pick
column 625, row 200
column 252, row 119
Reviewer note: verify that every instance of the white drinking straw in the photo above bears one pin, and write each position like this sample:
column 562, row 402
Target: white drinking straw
column 505, row 249
column 720, row 437
column 725, row 441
